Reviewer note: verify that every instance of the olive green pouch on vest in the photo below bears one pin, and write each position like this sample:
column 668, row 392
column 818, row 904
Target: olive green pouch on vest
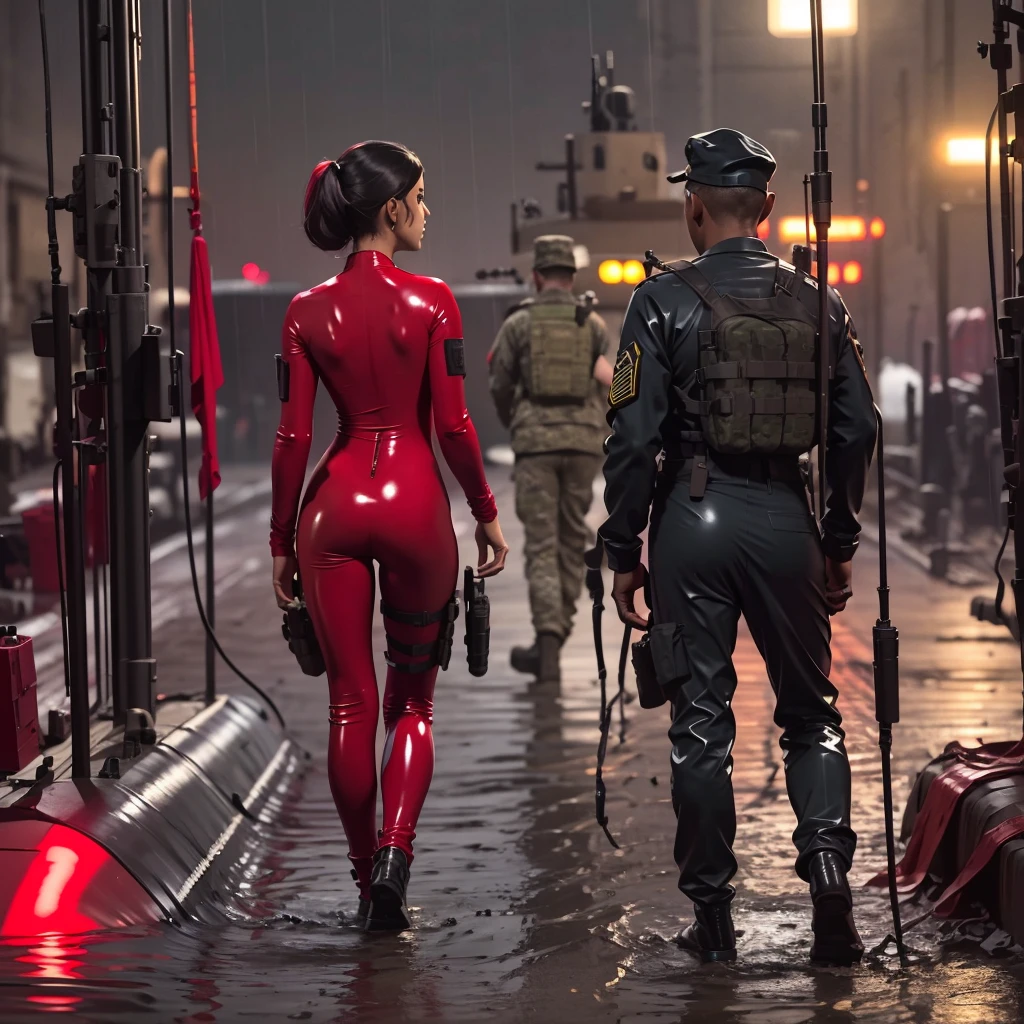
column 561, row 354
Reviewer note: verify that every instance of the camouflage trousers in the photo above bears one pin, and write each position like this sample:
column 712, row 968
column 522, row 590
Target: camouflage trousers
column 554, row 491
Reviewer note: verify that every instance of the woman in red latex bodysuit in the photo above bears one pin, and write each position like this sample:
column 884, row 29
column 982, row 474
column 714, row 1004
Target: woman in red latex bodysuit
column 388, row 346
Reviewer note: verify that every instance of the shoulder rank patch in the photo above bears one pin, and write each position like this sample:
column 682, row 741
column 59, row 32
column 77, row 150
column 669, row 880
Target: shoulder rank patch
column 626, row 379
column 858, row 351
column 455, row 357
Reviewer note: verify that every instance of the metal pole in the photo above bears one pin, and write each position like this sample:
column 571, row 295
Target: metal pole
column 942, row 292
column 127, row 314
column 877, row 298
column 821, row 202
column 927, row 468
column 211, row 600
column 949, row 61
column 78, row 645
column 1000, row 56
column 706, row 63
column 97, row 636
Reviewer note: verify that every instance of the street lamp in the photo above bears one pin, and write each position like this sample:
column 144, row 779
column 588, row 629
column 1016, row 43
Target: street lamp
column 967, row 151
column 789, row 18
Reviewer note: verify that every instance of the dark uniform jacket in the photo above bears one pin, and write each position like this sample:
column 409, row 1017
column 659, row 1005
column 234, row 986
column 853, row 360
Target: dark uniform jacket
column 663, row 318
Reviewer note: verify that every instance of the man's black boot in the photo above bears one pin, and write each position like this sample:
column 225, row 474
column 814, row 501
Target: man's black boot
column 711, row 936
column 836, row 940
column 388, row 885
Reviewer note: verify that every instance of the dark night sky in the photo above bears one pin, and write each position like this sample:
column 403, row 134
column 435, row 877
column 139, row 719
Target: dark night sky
column 482, row 90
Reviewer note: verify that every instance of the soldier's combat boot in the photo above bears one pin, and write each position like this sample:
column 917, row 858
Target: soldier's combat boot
column 387, row 891
column 836, row 940
column 548, row 648
column 525, row 659
column 711, row 936
column 528, row 659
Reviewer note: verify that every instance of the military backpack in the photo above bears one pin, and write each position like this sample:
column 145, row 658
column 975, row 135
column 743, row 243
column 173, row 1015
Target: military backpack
column 756, row 373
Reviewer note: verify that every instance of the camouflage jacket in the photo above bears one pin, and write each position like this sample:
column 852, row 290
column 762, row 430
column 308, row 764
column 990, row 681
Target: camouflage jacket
column 545, row 428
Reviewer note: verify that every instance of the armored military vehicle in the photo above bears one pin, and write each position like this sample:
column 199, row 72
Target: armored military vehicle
column 613, row 199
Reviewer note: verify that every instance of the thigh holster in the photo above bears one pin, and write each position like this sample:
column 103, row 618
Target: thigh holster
column 661, row 664
column 434, row 652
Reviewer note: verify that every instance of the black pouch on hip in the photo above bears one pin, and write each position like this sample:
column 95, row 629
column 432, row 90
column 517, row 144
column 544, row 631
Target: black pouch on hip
column 660, row 663
column 298, row 632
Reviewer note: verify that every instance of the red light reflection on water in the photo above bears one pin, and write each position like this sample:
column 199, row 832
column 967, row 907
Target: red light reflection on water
column 47, row 899
column 55, row 1004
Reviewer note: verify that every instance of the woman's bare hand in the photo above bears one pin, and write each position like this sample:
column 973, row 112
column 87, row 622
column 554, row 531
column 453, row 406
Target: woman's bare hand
column 284, row 571
column 489, row 535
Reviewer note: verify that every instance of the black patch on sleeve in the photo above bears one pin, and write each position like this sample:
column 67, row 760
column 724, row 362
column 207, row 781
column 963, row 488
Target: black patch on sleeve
column 626, row 379
column 455, row 357
column 283, row 378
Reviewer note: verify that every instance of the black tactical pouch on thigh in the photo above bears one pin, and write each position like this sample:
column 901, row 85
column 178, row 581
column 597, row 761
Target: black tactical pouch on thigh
column 660, row 663
column 298, row 632
column 478, row 623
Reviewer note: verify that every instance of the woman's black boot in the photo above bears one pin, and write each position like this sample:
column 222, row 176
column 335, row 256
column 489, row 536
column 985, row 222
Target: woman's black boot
column 711, row 936
column 388, row 885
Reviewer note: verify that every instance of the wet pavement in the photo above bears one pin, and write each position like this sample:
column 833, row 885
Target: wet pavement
column 522, row 909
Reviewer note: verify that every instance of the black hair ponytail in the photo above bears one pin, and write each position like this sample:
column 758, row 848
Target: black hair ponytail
column 344, row 196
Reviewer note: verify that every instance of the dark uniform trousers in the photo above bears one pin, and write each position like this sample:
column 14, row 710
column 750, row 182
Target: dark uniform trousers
column 750, row 546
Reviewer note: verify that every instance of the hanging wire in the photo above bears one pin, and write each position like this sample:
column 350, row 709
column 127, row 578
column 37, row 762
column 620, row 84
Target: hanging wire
column 60, row 576
column 511, row 107
column 650, row 62
column 186, row 505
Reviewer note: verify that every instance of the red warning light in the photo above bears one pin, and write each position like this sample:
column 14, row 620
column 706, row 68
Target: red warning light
column 251, row 271
column 853, row 273
column 877, row 228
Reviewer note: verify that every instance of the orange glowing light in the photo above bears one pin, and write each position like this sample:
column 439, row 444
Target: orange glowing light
column 833, row 274
column 793, row 18
column 853, row 273
column 633, row 272
column 877, row 227
column 611, row 272
column 843, row 229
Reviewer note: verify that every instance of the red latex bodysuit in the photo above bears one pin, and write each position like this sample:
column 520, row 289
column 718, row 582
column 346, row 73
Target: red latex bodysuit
column 376, row 336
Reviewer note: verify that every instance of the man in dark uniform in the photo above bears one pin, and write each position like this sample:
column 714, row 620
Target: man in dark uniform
column 737, row 536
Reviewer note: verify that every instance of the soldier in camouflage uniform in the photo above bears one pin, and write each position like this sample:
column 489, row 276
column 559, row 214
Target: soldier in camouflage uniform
column 549, row 378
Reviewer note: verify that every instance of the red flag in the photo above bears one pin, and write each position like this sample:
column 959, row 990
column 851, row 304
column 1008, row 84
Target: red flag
column 206, row 372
